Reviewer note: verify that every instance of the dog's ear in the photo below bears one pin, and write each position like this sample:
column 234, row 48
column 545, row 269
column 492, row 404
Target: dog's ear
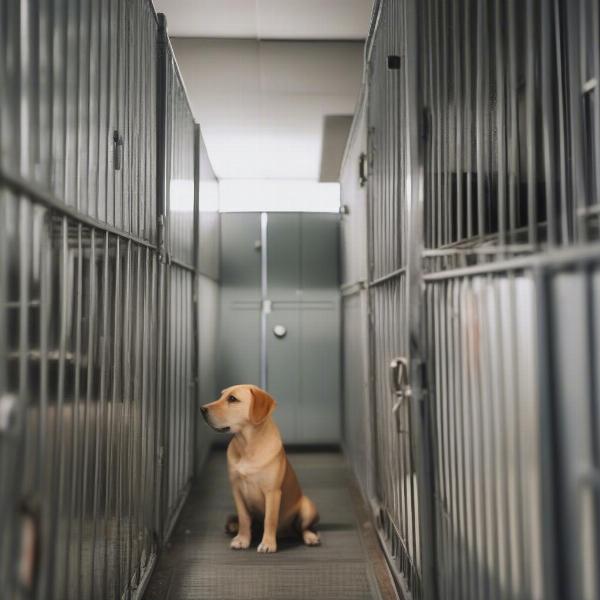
column 263, row 405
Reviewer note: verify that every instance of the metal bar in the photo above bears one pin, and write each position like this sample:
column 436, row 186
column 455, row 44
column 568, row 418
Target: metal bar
column 555, row 582
column 566, row 225
column 556, row 259
column 195, row 297
column 489, row 250
column 264, row 221
column 113, row 543
column 40, row 196
column 351, row 289
column 481, row 100
column 461, row 435
column 458, row 116
column 594, row 52
column 57, row 458
column 513, row 127
column 393, row 275
column 100, row 419
column 530, row 126
column 161, row 134
column 70, row 573
column 548, row 110
column 513, row 377
column 182, row 265
column 468, row 121
column 420, row 421
column 501, row 128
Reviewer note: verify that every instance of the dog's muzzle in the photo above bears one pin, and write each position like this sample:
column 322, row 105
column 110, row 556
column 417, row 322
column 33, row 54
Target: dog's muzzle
column 204, row 412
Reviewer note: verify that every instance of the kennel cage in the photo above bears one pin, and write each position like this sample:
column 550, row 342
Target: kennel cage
column 474, row 153
column 100, row 293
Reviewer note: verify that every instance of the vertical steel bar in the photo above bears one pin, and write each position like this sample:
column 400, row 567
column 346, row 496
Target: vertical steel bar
column 555, row 584
column 415, row 203
column 594, row 52
column 161, row 132
column 138, row 413
column 57, row 448
column 70, row 573
column 486, row 440
column 113, row 483
column 566, row 225
column 24, row 327
column 531, row 129
column 100, row 418
column 469, row 115
column 458, row 54
column 513, row 127
column 481, row 101
column 501, row 128
column 509, row 456
column 89, row 415
column 548, row 117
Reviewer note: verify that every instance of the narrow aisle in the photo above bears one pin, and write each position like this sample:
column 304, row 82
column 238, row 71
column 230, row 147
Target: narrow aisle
column 197, row 562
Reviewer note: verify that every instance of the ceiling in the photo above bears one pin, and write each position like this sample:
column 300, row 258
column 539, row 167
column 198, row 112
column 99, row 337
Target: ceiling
column 262, row 106
column 268, row 19
column 260, row 90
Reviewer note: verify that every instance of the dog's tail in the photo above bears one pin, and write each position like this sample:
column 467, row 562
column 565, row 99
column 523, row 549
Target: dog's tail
column 232, row 525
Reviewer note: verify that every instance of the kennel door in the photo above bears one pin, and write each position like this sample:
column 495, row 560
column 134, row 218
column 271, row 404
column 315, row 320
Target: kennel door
column 303, row 325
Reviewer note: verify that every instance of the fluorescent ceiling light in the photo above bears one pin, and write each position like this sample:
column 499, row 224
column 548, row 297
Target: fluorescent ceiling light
column 278, row 195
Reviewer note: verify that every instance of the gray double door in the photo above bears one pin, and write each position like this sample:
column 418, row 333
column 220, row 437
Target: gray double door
column 280, row 317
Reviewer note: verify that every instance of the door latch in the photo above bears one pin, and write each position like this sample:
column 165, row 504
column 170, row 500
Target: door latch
column 118, row 150
column 400, row 386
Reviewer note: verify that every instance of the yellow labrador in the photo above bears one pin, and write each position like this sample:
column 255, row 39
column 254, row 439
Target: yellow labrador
column 263, row 482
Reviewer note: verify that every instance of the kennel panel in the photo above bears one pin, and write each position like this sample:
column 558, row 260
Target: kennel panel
column 83, row 413
column 489, row 435
column 78, row 116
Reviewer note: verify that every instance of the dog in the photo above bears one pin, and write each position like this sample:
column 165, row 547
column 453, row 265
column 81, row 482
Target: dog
column 263, row 482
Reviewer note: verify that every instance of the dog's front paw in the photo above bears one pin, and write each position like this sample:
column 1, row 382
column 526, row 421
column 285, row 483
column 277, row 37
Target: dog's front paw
column 311, row 538
column 267, row 546
column 239, row 542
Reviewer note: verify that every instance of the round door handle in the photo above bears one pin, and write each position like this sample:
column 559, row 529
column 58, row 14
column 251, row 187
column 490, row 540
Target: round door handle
column 279, row 331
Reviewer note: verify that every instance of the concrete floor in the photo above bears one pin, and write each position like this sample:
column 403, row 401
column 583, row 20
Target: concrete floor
column 197, row 562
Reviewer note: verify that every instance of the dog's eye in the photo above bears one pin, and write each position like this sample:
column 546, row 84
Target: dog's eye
column 232, row 399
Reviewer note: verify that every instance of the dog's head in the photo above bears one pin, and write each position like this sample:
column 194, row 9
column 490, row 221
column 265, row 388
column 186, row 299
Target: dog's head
column 238, row 406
